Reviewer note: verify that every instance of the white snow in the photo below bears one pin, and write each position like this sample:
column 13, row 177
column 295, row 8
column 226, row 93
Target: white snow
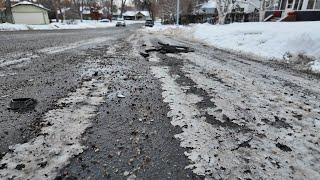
column 315, row 66
column 30, row 3
column 271, row 40
column 134, row 13
column 86, row 24
column 212, row 146
column 13, row 27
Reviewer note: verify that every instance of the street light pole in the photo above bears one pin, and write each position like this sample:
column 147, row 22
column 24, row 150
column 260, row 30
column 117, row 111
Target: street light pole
column 178, row 9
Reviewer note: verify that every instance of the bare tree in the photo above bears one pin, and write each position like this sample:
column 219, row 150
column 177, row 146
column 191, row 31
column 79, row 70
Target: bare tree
column 139, row 4
column 223, row 7
column 8, row 12
column 55, row 8
column 264, row 4
column 167, row 10
column 123, row 4
column 111, row 9
column 151, row 6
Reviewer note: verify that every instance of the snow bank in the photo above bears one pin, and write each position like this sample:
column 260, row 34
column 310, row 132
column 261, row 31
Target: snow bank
column 13, row 27
column 76, row 25
column 272, row 40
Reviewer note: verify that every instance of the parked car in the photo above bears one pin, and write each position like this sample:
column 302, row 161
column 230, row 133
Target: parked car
column 120, row 22
column 149, row 23
column 104, row 21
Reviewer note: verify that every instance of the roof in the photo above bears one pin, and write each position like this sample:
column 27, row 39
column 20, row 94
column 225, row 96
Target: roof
column 209, row 5
column 32, row 4
column 134, row 13
column 130, row 13
column 145, row 13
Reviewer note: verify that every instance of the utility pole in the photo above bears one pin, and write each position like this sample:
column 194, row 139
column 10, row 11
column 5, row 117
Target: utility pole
column 178, row 11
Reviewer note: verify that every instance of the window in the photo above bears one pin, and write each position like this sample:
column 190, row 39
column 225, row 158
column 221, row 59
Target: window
column 317, row 6
column 300, row 4
column 310, row 4
column 296, row 3
column 290, row 4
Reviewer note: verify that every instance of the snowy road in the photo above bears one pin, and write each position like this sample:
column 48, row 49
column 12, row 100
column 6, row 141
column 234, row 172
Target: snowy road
column 104, row 111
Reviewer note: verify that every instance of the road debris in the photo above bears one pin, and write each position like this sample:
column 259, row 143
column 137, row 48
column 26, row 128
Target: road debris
column 22, row 104
column 120, row 95
column 167, row 48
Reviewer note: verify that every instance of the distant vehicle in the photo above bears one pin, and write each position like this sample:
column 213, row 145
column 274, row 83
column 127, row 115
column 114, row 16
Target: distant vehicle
column 120, row 22
column 104, row 21
column 149, row 23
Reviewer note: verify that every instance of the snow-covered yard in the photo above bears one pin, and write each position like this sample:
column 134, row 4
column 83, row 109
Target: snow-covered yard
column 271, row 40
column 76, row 25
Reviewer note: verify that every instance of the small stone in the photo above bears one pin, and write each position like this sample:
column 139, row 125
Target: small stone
column 126, row 173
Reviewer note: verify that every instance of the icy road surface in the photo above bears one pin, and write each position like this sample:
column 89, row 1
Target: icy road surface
column 104, row 111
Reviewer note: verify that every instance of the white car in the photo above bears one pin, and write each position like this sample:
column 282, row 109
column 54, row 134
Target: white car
column 120, row 22
column 104, row 21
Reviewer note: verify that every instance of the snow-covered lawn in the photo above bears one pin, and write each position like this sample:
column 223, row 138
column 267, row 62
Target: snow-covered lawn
column 271, row 40
column 53, row 26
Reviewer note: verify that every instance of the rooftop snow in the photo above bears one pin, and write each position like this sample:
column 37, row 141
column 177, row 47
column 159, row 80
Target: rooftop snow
column 134, row 13
column 30, row 3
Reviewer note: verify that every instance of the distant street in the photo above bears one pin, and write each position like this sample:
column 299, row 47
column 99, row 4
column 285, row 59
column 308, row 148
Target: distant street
column 103, row 111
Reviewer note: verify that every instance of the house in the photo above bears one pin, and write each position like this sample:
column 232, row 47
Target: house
column 208, row 8
column 204, row 12
column 244, row 11
column 293, row 10
column 136, row 15
column 29, row 13
column 143, row 15
column 92, row 13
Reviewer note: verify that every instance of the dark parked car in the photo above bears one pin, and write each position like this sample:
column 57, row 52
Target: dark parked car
column 149, row 23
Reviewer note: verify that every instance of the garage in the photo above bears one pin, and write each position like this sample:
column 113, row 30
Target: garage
column 30, row 13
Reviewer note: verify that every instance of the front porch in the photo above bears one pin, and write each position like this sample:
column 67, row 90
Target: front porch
column 293, row 10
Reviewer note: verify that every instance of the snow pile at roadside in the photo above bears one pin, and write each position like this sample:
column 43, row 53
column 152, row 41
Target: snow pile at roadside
column 134, row 22
column 13, row 27
column 173, row 30
column 52, row 26
column 271, row 40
